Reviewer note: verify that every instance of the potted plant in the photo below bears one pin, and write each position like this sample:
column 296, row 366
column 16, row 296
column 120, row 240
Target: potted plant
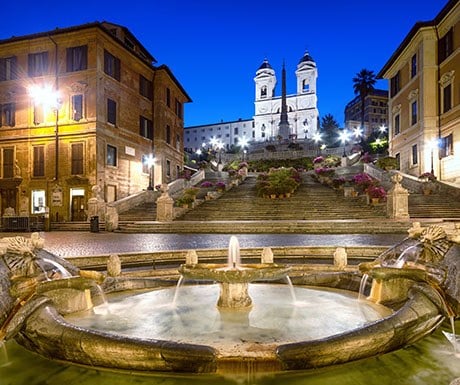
column 376, row 193
column 428, row 185
column 220, row 186
column 387, row 163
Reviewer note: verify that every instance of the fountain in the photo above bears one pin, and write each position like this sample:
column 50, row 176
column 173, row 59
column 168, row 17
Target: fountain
column 255, row 326
column 234, row 277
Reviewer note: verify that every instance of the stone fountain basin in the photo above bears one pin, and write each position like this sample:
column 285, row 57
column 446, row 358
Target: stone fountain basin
column 48, row 333
column 243, row 273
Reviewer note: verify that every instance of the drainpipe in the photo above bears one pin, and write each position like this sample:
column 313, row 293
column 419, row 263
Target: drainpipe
column 56, row 129
column 439, row 101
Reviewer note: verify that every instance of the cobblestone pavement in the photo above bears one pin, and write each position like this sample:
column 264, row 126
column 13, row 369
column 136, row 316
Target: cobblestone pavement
column 72, row 243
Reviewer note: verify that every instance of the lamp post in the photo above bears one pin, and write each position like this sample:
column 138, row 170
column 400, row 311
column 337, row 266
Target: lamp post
column 344, row 135
column 244, row 143
column 433, row 143
column 150, row 164
column 317, row 139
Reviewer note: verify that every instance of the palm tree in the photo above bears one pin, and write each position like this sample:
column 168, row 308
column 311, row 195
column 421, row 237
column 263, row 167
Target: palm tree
column 329, row 126
column 363, row 85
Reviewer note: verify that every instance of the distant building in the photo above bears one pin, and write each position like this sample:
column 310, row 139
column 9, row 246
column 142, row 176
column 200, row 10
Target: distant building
column 228, row 133
column 80, row 107
column 375, row 112
column 424, row 101
column 301, row 118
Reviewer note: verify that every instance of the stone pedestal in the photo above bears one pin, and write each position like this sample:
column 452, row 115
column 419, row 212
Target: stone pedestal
column 96, row 204
column 165, row 206
column 397, row 199
column 234, row 295
column 111, row 219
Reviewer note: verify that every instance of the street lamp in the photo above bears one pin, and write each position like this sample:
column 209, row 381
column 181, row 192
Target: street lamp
column 150, row 163
column 357, row 132
column 49, row 99
column 317, row 139
column 344, row 136
column 220, row 146
column 244, row 143
column 432, row 144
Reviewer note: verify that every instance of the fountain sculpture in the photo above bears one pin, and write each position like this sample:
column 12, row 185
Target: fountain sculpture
column 54, row 309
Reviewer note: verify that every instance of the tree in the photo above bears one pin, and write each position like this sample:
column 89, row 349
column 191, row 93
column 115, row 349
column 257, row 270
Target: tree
column 363, row 85
column 329, row 127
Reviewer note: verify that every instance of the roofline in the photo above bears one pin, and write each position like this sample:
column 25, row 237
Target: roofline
column 219, row 123
column 95, row 24
column 168, row 70
column 417, row 26
column 375, row 92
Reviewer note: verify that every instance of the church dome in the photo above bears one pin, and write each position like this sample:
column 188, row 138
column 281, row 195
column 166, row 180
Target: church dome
column 306, row 58
column 265, row 65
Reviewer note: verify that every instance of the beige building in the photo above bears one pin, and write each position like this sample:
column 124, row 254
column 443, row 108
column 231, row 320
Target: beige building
column 375, row 113
column 424, row 100
column 79, row 107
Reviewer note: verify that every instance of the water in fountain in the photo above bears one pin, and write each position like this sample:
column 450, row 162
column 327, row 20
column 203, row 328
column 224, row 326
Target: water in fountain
column 176, row 292
column 62, row 270
column 362, row 286
column 408, row 255
column 4, row 360
column 105, row 306
column 452, row 337
column 291, row 290
column 273, row 317
column 234, row 259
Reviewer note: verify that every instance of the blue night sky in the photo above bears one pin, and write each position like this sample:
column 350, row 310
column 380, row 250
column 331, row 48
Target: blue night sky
column 215, row 47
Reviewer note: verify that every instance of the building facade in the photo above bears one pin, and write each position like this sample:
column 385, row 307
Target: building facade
column 228, row 133
column 80, row 107
column 424, row 99
column 302, row 112
column 375, row 113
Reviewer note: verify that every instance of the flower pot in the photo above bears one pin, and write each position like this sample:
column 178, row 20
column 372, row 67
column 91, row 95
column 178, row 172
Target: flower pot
column 375, row 201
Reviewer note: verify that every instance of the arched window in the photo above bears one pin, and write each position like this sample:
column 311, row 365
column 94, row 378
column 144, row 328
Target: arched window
column 305, row 85
column 263, row 92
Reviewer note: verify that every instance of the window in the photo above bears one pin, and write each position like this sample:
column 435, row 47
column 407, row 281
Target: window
column 145, row 128
column 111, row 65
column 413, row 66
column 413, row 108
column 38, row 64
column 305, row 85
column 397, row 123
column 446, row 146
column 414, row 155
column 77, row 58
column 263, row 92
column 39, row 161
column 111, row 156
column 8, row 162
column 395, row 85
column 145, row 164
column 38, row 112
column 77, row 159
column 77, row 107
column 168, row 134
column 178, row 142
column 145, row 87
column 445, row 46
column 168, row 97
column 8, row 68
column 178, row 108
column 38, row 201
column 235, row 131
column 447, row 98
column 398, row 160
column 168, row 168
column 7, row 113
column 111, row 111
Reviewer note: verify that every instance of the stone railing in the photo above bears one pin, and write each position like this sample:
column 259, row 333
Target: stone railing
column 133, row 200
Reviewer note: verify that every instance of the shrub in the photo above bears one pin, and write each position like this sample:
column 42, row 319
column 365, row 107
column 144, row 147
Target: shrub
column 427, row 176
column 387, row 163
column 206, row 184
column 220, row 185
column 318, row 159
column 376, row 192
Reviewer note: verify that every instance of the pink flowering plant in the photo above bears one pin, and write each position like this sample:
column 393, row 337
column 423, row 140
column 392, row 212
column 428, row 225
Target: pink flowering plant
column 376, row 192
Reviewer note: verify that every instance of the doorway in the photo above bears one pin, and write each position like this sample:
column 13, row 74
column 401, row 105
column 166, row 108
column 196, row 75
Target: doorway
column 77, row 205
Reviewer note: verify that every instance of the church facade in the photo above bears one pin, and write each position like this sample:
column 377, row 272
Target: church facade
column 284, row 117
column 301, row 108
